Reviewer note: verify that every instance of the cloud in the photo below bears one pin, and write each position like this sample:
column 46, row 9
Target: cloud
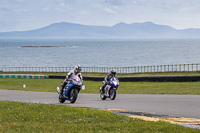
column 114, row 2
column 84, row 12
column 120, row 2
column 109, row 11
column 21, row 10
column 61, row 7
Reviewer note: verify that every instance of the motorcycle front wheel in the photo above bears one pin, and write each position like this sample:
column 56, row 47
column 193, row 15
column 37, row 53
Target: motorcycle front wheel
column 112, row 94
column 73, row 96
column 102, row 96
column 61, row 99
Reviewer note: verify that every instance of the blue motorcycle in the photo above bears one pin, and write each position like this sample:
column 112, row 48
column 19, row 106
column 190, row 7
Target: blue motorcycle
column 71, row 90
column 110, row 89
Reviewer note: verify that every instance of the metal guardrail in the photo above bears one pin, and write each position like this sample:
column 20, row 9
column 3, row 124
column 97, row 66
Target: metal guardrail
column 136, row 69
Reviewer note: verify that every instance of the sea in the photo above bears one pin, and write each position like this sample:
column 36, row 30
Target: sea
column 98, row 52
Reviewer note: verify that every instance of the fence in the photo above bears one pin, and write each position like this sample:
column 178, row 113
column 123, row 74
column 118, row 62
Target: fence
column 23, row 76
column 136, row 69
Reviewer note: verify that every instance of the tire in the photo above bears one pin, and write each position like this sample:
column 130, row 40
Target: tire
column 113, row 94
column 73, row 95
column 61, row 99
column 102, row 96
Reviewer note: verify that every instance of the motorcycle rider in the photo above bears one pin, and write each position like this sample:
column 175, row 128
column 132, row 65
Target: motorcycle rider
column 73, row 72
column 108, row 77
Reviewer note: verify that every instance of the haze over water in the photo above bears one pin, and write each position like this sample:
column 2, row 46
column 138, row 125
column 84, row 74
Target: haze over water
column 98, row 52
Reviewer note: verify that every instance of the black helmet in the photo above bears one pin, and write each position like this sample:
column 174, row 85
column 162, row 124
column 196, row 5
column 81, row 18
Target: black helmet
column 77, row 69
column 113, row 71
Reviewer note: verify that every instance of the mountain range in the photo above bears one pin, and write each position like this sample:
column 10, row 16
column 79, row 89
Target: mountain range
column 120, row 30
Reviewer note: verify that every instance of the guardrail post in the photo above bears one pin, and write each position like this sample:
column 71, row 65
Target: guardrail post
column 192, row 67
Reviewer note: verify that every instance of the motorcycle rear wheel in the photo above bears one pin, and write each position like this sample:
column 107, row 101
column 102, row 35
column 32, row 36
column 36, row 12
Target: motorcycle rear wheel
column 73, row 96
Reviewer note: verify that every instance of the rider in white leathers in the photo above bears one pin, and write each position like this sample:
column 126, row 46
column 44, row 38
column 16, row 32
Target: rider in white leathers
column 75, row 71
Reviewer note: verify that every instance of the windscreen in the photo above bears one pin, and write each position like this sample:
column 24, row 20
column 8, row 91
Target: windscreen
column 76, row 78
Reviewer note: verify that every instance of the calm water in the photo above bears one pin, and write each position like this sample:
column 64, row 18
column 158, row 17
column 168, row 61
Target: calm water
column 98, row 52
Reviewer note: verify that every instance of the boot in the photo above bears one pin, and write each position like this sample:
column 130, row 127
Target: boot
column 63, row 86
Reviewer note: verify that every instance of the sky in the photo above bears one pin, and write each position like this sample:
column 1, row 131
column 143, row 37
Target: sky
column 22, row 15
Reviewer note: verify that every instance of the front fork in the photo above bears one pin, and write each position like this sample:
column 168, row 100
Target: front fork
column 107, row 89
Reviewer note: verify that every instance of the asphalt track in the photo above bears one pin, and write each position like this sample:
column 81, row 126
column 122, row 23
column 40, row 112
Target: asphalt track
column 187, row 106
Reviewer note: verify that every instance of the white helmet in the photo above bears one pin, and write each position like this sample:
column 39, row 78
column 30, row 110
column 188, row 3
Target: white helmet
column 113, row 71
column 77, row 69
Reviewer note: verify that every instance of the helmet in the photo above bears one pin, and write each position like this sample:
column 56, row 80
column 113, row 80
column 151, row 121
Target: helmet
column 77, row 69
column 113, row 71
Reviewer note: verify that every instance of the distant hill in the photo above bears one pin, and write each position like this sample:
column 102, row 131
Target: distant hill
column 120, row 30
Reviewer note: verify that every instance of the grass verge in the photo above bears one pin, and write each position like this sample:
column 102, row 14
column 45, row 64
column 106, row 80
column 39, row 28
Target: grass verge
column 24, row 117
column 49, row 85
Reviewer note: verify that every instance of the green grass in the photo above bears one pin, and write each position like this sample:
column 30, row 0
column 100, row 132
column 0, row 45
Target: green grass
column 24, row 117
column 104, row 74
column 49, row 85
column 160, row 88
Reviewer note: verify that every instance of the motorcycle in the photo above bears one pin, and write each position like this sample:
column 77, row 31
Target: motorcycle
column 71, row 90
column 110, row 89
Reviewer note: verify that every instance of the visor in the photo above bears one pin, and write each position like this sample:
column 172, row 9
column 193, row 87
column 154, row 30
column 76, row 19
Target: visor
column 78, row 70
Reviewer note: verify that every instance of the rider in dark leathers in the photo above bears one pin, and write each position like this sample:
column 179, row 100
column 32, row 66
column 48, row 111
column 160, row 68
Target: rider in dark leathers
column 75, row 71
column 108, row 77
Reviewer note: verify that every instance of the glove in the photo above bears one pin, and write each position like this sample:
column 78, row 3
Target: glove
column 62, row 83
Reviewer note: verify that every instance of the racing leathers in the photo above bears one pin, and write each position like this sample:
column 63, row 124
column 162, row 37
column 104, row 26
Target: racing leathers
column 107, row 79
column 70, row 74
